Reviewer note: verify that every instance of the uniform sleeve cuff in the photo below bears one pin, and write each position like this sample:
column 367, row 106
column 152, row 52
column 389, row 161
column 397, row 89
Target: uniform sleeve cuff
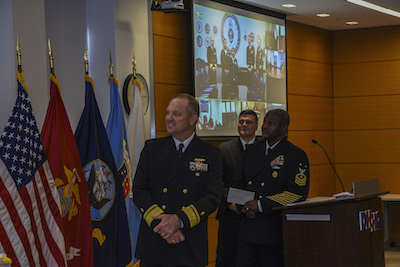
column 150, row 212
column 189, row 216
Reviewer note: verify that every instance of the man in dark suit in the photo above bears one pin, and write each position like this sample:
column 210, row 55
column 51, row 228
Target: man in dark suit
column 177, row 185
column 226, row 65
column 234, row 91
column 228, row 216
column 259, row 58
column 212, row 62
column 250, row 62
column 278, row 172
column 250, row 56
column 257, row 91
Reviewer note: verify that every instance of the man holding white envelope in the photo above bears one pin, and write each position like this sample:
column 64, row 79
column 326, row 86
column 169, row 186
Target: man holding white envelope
column 274, row 173
column 228, row 216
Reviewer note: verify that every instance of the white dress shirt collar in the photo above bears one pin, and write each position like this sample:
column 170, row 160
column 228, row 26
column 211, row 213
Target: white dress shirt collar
column 248, row 143
column 270, row 147
column 185, row 143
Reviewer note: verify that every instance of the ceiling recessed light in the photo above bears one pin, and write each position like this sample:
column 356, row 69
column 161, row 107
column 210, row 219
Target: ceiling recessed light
column 323, row 15
column 352, row 23
column 375, row 7
column 289, row 5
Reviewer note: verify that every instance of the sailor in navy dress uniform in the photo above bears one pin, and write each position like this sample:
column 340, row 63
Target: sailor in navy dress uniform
column 212, row 62
column 278, row 172
column 250, row 63
column 250, row 56
column 259, row 59
column 176, row 192
column 226, row 65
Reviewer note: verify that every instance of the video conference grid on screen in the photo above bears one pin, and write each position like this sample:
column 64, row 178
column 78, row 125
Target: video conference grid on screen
column 240, row 63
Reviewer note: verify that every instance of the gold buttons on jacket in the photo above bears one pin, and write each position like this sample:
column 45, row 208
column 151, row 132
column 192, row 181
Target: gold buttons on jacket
column 249, row 182
column 185, row 191
column 197, row 174
column 202, row 213
column 142, row 210
column 165, row 190
column 260, row 196
column 163, row 207
column 262, row 183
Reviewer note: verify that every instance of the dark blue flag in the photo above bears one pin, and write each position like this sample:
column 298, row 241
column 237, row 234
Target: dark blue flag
column 116, row 132
column 110, row 231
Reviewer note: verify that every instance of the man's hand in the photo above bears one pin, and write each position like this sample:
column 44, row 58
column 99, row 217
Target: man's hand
column 233, row 208
column 168, row 226
column 251, row 209
column 176, row 238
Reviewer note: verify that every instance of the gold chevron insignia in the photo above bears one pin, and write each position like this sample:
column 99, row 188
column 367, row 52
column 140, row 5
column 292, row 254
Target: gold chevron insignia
column 285, row 197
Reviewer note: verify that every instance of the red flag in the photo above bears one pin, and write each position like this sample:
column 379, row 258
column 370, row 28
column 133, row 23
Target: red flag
column 63, row 157
column 30, row 221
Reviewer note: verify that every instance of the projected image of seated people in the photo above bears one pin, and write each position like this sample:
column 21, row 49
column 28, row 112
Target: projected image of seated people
column 240, row 59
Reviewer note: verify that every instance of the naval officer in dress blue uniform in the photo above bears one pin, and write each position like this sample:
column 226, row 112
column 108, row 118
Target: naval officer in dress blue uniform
column 212, row 63
column 177, row 184
column 278, row 172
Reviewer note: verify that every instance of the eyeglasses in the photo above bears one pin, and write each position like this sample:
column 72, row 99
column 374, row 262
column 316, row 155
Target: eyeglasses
column 248, row 122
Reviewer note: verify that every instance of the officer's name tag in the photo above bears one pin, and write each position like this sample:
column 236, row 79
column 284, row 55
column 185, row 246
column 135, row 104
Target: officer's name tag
column 239, row 196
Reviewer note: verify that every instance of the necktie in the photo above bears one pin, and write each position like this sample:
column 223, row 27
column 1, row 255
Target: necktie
column 245, row 146
column 180, row 149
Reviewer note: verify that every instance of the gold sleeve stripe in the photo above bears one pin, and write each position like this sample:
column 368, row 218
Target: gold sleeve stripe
column 192, row 214
column 150, row 212
column 285, row 198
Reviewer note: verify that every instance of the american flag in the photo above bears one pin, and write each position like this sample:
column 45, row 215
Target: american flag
column 30, row 220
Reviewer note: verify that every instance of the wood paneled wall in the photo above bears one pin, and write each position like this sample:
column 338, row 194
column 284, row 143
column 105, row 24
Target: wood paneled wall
column 172, row 61
column 366, row 67
column 310, row 101
column 366, row 79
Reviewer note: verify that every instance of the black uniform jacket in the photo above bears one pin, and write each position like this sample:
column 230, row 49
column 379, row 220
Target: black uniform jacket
column 226, row 64
column 259, row 59
column 212, row 57
column 188, row 186
column 250, row 56
column 231, row 154
column 280, row 178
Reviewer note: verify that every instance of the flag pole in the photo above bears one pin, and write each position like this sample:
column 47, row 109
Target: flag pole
column 134, row 66
column 51, row 58
column 86, row 58
column 134, row 80
column 111, row 66
column 19, row 55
